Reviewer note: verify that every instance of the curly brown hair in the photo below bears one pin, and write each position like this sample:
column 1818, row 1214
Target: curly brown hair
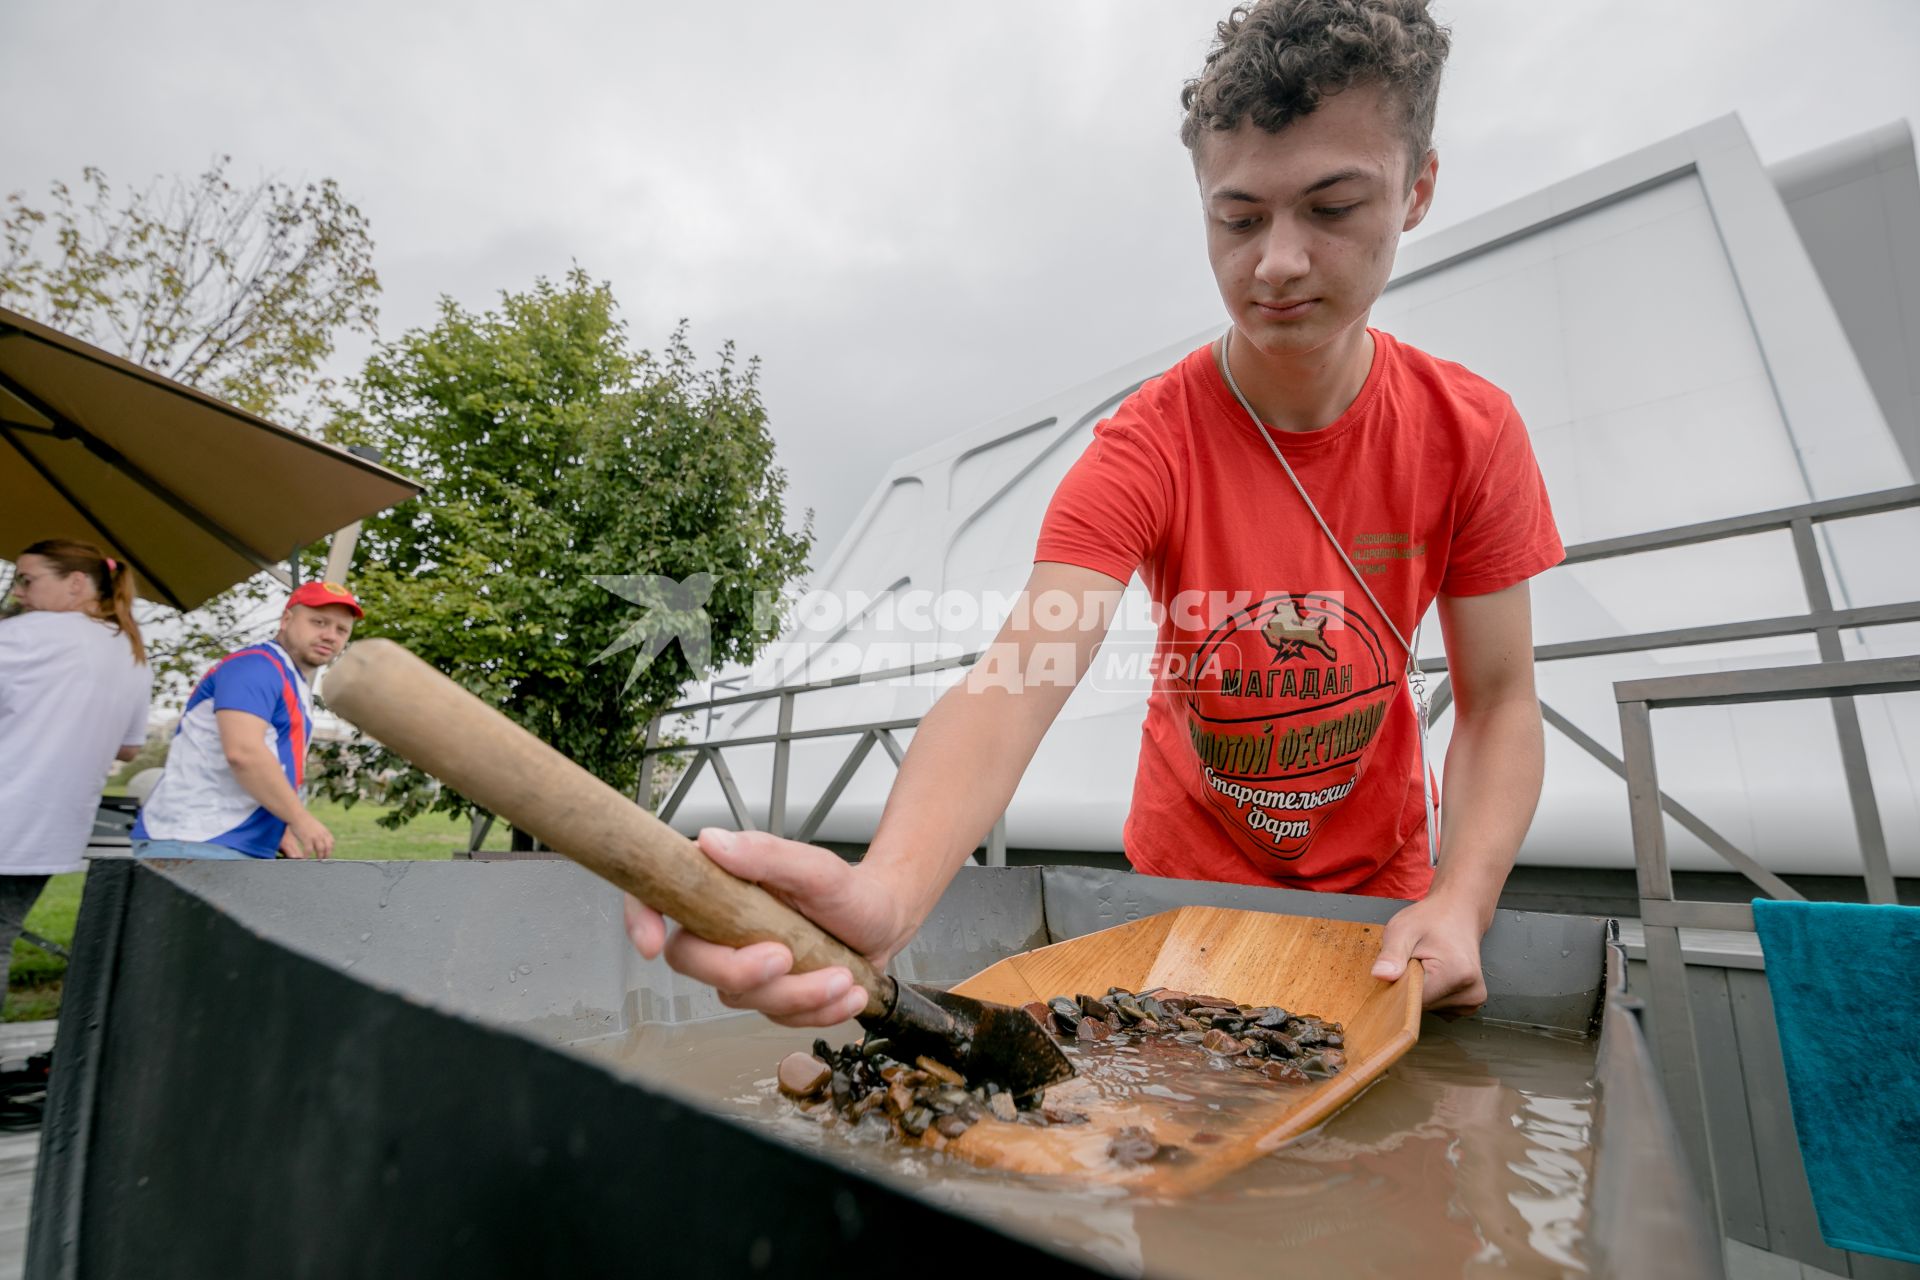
column 1275, row 61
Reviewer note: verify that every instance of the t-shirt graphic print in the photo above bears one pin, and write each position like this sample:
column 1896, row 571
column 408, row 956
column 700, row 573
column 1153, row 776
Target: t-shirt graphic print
column 1282, row 701
column 1281, row 744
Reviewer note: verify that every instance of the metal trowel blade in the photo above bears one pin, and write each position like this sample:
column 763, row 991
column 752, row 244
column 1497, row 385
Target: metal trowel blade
column 983, row 1042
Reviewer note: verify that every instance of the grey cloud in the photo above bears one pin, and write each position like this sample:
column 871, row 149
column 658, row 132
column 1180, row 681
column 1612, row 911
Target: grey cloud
column 919, row 217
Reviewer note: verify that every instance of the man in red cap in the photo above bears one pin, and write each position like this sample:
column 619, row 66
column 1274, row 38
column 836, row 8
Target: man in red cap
column 231, row 788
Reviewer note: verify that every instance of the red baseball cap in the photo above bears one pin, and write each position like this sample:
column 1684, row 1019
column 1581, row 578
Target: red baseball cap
column 317, row 595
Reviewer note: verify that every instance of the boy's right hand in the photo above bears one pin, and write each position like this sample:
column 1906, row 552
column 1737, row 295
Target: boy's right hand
column 852, row 905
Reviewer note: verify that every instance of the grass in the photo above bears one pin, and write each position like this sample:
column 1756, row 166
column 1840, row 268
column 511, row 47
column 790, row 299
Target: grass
column 35, row 978
column 357, row 833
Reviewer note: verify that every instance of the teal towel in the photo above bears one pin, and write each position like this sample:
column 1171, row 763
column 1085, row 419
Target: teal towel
column 1845, row 980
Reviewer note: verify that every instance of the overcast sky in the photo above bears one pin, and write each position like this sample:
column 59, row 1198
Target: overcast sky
column 919, row 216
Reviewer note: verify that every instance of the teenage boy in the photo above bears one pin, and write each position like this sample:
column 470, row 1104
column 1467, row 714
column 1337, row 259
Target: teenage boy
column 231, row 788
column 1295, row 496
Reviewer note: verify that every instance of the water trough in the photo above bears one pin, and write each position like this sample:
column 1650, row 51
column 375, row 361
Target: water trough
column 463, row 1069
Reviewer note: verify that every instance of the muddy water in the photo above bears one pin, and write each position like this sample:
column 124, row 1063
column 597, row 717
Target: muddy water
column 1472, row 1157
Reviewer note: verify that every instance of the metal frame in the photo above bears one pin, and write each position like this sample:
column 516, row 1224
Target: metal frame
column 1821, row 620
column 1648, row 1220
column 707, row 754
column 1662, row 915
column 47, row 945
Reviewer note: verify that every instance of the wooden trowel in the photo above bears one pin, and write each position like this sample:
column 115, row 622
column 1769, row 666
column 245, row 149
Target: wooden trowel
column 424, row 717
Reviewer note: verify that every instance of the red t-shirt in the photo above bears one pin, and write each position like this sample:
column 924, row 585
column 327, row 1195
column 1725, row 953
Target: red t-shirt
column 1280, row 745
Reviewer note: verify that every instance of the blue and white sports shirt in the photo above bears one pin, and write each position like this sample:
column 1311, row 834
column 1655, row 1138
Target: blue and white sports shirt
column 198, row 798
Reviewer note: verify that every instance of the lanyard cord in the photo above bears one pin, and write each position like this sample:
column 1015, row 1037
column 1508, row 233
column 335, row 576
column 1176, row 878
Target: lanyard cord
column 1416, row 678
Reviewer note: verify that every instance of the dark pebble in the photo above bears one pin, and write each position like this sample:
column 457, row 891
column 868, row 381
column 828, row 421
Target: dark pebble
column 1280, row 1044
column 1092, row 1029
column 1218, row 1041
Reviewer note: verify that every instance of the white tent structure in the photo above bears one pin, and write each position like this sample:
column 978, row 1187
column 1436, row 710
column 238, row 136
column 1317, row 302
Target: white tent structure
column 1690, row 337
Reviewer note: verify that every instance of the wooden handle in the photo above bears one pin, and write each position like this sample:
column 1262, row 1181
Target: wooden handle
column 428, row 719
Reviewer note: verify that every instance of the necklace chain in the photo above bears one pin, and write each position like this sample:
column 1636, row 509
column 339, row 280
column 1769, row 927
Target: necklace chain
column 1416, row 678
column 1259, row 424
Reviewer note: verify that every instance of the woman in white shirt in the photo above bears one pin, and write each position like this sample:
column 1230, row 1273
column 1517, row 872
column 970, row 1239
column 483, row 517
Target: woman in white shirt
column 74, row 692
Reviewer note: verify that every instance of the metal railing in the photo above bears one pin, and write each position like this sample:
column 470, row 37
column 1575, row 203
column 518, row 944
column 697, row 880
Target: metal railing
column 1662, row 915
column 707, row 754
column 1821, row 620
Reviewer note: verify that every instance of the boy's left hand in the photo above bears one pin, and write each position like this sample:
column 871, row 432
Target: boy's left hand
column 1444, row 936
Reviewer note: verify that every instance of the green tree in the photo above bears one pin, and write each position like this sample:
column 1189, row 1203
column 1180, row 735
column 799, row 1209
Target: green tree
column 554, row 454
column 238, row 289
